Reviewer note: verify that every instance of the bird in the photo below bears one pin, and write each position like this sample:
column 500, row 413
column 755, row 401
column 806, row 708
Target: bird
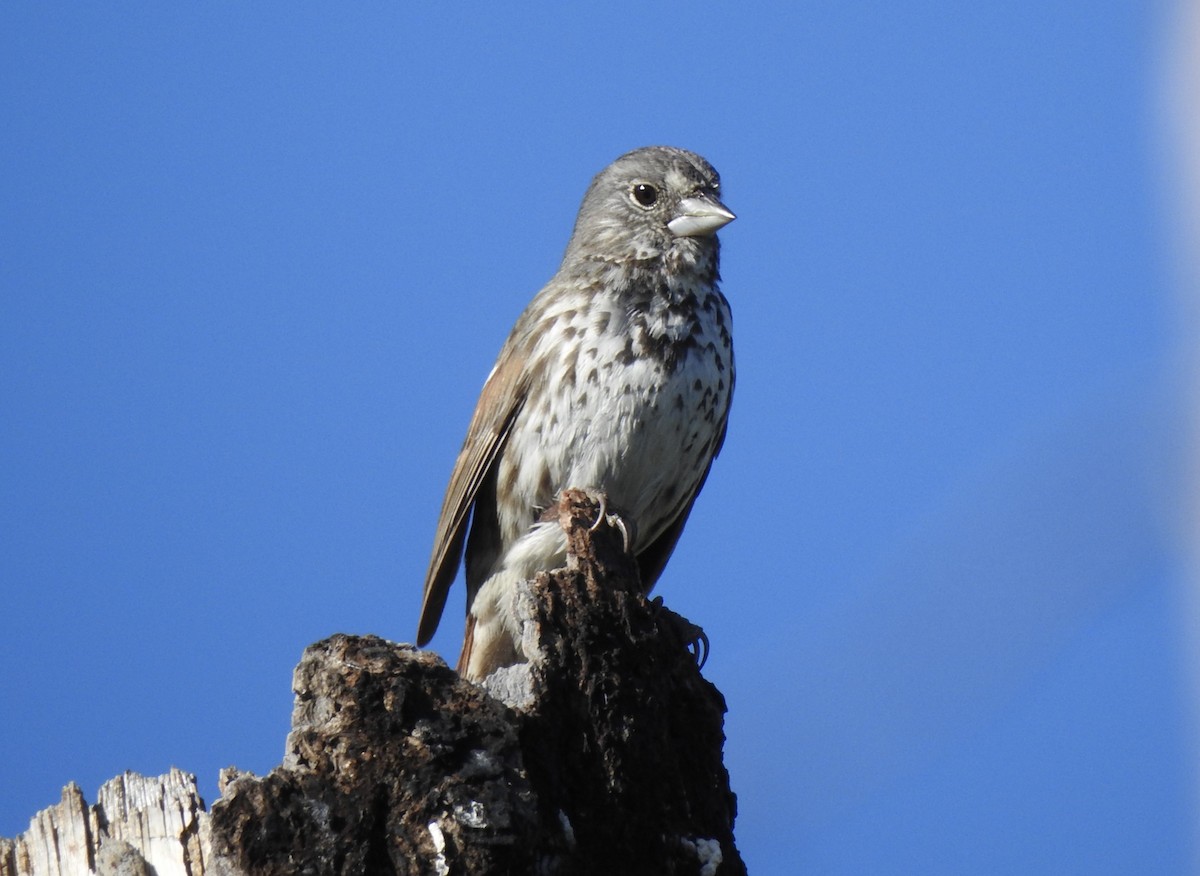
column 616, row 379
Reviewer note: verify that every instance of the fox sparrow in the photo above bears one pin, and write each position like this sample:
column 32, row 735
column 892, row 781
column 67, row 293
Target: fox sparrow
column 616, row 380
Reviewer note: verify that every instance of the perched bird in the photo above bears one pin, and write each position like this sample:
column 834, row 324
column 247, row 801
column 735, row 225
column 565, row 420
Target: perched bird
column 616, row 380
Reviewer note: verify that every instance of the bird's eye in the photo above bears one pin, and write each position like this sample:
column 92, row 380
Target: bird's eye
column 645, row 194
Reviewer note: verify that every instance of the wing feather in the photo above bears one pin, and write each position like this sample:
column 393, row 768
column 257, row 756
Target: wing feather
column 499, row 403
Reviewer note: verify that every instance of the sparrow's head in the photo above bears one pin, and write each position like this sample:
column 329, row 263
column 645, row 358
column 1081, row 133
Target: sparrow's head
column 654, row 202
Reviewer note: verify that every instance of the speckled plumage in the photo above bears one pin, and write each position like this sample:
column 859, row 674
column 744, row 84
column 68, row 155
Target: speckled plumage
column 616, row 379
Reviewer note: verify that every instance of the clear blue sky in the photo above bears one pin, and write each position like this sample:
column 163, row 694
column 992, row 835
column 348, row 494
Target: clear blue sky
column 255, row 263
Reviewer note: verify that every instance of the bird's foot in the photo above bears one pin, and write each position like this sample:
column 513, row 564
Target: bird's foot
column 614, row 519
column 689, row 634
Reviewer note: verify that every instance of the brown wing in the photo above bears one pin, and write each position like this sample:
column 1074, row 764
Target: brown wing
column 499, row 403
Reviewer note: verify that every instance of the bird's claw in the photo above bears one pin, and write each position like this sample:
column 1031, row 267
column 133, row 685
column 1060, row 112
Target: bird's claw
column 602, row 512
column 693, row 637
column 626, row 538
column 615, row 520
column 698, row 647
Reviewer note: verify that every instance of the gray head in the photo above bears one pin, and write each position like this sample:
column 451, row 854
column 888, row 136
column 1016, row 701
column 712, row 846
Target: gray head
column 653, row 202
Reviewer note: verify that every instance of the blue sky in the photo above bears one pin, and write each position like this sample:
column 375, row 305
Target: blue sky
column 256, row 262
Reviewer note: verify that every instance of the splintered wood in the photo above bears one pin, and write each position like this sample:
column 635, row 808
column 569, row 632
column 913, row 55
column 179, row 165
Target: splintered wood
column 139, row 825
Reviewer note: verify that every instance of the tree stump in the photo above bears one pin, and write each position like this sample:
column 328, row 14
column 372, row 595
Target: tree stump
column 600, row 755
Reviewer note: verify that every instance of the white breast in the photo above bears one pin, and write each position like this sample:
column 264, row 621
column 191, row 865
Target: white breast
column 620, row 419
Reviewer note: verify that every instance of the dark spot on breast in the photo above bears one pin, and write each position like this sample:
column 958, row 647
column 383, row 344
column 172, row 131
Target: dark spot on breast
column 545, row 486
column 593, row 376
column 682, row 306
column 537, row 371
column 626, row 355
column 509, row 487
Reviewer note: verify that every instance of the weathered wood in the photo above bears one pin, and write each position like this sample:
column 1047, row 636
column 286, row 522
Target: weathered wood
column 136, row 824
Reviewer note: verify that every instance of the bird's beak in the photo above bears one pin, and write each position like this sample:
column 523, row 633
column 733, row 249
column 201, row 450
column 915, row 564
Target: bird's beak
column 699, row 216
